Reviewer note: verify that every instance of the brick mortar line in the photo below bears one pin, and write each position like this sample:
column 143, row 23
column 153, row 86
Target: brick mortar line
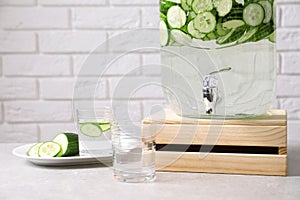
column 288, row 50
column 278, row 63
column 39, row 134
column 3, row 112
column 1, row 66
column 70, row 18
column 72, row 66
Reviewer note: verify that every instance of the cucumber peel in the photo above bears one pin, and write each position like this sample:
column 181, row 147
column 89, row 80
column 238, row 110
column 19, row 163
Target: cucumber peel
column 69, row 144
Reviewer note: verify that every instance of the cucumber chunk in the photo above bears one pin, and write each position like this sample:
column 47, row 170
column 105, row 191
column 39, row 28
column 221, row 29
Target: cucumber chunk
column 200, row 6
column 164, row 33
column 49, row 149
column 223, row 6
column 253, row 14
column 268, row 10
column 233, row 24
column 176, row 17
column 34, row 150
column 180, row 37
column 69, row 144
column 205, row 22
column 194, row 32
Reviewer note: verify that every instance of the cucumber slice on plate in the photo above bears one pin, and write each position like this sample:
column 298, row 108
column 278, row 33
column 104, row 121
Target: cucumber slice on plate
column 233, row 24
column 34, row 150
column 90, row 129
column 194, row 32
column 268, row 10
column 200, row 6
column 180, row 37
column 223, row 6
column 164, row 33
column 176, row 17
column 69, row 144
column 253, row 14
column 205, row 22
column 49, row 149
column 248, row 34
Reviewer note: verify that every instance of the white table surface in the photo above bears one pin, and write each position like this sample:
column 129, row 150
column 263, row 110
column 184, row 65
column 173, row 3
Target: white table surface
column 20, row 179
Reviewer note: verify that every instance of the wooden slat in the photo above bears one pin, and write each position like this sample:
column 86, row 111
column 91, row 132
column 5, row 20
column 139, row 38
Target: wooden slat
column 273, row 118
column 222, row 163
column 218, row 134
column 282, row 150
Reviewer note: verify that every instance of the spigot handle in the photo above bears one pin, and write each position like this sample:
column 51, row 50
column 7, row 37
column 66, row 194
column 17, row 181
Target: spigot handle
column 210, row 90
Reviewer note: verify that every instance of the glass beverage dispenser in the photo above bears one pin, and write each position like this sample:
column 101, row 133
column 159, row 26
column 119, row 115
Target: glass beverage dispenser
column 218, row 56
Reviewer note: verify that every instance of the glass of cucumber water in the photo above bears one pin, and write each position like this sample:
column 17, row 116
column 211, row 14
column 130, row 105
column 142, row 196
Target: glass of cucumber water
column 94, row 127
column 133, row 153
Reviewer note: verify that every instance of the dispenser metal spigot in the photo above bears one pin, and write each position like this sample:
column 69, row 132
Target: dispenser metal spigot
column 210, row 90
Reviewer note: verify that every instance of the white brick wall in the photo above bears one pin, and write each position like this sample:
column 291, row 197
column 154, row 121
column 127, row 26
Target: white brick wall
column 36, row 65
column 43, row 44
column 34, row 18
column 70, row 41
column 16, row 42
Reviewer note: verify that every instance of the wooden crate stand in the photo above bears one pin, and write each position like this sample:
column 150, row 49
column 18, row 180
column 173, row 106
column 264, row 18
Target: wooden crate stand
column 237, row 146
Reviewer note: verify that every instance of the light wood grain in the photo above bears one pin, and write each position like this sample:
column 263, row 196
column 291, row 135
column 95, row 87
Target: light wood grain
column 282, row 150
column 222, row 163
column 272, row 136
column 167, row 116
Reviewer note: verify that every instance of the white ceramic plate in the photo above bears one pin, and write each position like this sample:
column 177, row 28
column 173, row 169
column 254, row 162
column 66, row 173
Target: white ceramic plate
column 21, row 151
